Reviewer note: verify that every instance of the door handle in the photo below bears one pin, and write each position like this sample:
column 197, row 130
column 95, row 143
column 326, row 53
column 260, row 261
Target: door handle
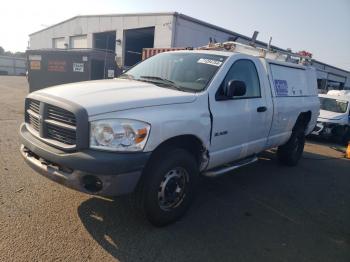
column 261, row 109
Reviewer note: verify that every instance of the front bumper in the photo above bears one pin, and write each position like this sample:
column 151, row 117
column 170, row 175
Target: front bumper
column 89, row 171
column 325, row 129
column 318, row 130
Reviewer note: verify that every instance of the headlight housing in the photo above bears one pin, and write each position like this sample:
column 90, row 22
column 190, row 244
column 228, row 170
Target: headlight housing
column 119, row 135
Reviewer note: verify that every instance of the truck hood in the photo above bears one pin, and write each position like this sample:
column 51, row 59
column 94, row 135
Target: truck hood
column 103, row 96
column 329, row 115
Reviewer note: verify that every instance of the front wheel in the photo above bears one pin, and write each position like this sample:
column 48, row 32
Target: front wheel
column 290, row 153
column 168, row 186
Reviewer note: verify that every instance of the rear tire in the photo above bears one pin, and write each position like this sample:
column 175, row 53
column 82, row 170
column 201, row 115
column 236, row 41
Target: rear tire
column 168, row 186
column 290, row 153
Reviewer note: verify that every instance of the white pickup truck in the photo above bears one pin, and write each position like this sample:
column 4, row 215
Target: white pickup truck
column 169, row 119
column 334, row 119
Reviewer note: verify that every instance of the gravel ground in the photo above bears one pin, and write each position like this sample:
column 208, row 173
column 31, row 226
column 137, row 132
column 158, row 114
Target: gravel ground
column 263, row 212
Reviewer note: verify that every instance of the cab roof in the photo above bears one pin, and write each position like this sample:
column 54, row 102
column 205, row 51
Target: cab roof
column 232, row 53
column 212, row 52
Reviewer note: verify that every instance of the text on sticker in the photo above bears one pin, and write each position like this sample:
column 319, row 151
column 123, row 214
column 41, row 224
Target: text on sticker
column 209, row 62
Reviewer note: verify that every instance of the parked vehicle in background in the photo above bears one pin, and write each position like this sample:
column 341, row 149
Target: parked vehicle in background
column 334, row 119
column 169, row 119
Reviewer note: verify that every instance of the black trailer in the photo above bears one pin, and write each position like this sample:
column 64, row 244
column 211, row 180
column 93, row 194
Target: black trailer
column 49, row 67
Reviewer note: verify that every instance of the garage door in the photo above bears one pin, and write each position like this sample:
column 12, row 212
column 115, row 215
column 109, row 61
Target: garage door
column 78, row 41
column 58, row 42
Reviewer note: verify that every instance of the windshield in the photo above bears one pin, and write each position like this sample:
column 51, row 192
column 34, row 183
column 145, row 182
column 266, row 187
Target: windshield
column 333, row 105
column 183, row 71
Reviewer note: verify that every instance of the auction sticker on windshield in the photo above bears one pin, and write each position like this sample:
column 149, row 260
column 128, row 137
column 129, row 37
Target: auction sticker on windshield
column 209, row 62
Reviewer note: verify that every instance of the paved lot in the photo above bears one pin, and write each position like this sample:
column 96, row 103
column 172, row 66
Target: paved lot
column 264, row 212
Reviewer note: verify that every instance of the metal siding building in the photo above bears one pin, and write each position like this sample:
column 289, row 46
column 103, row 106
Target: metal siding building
column 332, row 74
column 127, row 34
column 10, row 65
column 81, row 31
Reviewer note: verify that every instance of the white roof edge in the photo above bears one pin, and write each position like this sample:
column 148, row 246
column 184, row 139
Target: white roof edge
column 103, row 15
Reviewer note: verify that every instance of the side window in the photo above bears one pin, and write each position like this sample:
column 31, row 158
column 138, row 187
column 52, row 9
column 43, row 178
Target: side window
column 243, row 70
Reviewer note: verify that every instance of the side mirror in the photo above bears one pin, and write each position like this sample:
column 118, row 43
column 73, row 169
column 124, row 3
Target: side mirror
column 235, row 88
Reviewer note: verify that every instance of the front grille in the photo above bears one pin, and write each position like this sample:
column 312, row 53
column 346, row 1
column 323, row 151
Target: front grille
column 61, row 134
column 51, row 123
column 33, row 112
column 61, row 115
column 34, row 123
column 34, row 106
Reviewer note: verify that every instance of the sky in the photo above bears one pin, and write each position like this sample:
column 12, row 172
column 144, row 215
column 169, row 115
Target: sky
column 321, row 27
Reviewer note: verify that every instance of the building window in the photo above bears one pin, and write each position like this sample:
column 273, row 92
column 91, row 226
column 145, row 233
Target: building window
column 58, row 42
column 78, row 41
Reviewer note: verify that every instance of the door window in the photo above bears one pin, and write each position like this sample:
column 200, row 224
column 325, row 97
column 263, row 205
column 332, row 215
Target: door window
column 243, row 70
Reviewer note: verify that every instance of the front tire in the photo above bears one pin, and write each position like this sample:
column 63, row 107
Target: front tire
column 290, row 153
column 168, row 186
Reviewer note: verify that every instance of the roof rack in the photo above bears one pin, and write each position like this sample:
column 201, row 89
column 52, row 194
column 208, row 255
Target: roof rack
column 267, row 53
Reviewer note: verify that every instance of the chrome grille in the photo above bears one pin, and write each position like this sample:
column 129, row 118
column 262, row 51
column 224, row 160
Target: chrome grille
column 51, row 123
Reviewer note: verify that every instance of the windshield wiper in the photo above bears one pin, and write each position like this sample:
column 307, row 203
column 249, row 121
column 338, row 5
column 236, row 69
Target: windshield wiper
column 160, row 80
column 127, row 76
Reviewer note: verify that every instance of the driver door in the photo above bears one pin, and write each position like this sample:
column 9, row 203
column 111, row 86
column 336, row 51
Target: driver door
column 240, row 124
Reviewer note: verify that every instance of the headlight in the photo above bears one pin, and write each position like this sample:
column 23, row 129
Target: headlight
column 119, row 134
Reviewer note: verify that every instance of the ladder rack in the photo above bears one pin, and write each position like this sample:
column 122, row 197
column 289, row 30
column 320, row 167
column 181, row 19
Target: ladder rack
column 267, row 53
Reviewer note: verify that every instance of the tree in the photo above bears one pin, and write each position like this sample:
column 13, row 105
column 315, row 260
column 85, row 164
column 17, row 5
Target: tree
column 20, row 54
column 9, row 53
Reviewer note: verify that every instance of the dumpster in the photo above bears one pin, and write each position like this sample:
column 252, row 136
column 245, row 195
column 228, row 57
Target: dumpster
column 49, row 67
